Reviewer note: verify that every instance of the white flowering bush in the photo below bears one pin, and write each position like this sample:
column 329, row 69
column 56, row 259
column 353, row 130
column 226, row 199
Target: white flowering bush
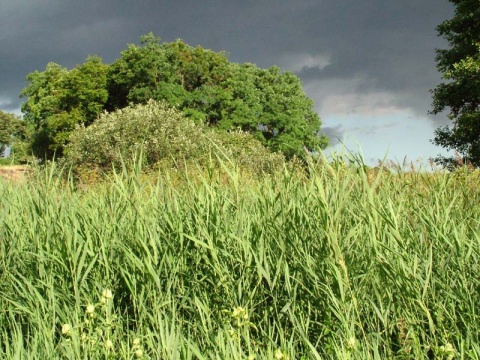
column 165, row 137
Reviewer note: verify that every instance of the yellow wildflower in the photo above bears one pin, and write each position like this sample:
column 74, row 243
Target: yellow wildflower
column 67, row 329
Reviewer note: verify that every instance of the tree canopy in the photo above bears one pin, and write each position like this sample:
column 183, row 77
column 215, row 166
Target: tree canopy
column 460, row 93
column 203, row 84
column 59, row 99
column 12, row 130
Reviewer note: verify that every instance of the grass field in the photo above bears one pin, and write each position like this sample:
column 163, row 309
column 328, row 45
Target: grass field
column 340, row 264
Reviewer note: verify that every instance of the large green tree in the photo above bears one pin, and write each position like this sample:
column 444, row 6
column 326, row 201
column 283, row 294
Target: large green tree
column 14, row 133
column 203, row 84
column 460, row 93
column 8, row 128
column 208, row 88
column 60, row 99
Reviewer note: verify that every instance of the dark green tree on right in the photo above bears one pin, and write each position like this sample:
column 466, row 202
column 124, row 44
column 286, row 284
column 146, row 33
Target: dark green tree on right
column 460, row 93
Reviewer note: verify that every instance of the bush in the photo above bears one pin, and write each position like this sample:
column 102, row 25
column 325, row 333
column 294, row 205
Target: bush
column 166, row 138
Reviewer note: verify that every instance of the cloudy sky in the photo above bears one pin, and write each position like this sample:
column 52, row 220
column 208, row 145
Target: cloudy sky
column 368, row 64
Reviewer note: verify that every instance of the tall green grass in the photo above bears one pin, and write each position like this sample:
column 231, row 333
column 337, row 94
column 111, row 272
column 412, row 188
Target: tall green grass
column 339, row 264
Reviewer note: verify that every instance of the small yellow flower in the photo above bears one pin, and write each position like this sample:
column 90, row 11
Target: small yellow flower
column 109, row 345
column 279, row 355
column 240, row 313
column 236, row 311
column 90, row 309
column 67, row 329
column 107, row 294
column 351, row 343
column 138, row 353
column 448, row 350
column 136, row 342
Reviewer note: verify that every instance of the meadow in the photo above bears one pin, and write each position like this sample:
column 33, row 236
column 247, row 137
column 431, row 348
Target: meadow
column 334, row 263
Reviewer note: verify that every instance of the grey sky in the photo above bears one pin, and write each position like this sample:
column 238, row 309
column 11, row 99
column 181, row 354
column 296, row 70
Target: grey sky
column 355, row 57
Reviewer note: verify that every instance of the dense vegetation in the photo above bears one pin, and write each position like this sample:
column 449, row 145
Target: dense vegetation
column 337, row 264
column 460, row 93
column 214, row 241
column 14, row 132
column 167, row 139
column 203, row 84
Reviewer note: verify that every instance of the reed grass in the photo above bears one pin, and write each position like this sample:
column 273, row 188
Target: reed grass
column 336, row 264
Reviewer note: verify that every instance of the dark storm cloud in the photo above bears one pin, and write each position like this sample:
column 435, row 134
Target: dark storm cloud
column 389, row 46
column 334, row 133
column 378, row 46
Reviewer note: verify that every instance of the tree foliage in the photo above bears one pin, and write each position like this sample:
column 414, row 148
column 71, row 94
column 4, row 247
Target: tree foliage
column 460, row 93
column 59, row 99
column 203, row 84
column 208, row 88
column 12, row 131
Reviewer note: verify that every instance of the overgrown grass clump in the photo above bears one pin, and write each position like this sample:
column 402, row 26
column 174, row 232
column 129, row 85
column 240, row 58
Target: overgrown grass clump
column 334, row 265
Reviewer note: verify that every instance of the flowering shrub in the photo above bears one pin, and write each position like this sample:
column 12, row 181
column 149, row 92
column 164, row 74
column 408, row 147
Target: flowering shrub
column 165, row 136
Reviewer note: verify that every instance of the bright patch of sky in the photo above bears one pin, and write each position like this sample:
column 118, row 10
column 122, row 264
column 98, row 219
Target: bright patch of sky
column 400, row 137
